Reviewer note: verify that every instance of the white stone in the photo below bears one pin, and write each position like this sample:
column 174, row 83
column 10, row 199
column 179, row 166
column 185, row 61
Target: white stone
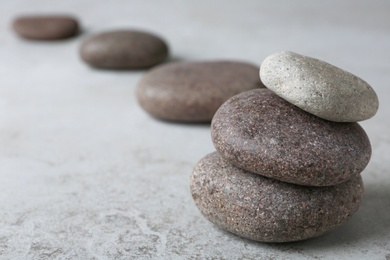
column 319, row 87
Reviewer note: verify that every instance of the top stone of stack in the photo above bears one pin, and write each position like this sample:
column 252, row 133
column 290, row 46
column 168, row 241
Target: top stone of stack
column 318, row 87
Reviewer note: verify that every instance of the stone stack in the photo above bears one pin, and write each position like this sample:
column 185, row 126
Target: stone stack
column 289, row 157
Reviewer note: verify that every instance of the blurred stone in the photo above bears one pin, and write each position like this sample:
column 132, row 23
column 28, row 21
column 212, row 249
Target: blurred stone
column 124, row 49
column 45, row 27
column 193, row 91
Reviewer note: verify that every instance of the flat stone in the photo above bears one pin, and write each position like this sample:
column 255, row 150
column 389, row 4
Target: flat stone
column 319, row 87
column 193, row 91
column 262, row 133
column 45, row 27
column 268, row 210
column 124, row 49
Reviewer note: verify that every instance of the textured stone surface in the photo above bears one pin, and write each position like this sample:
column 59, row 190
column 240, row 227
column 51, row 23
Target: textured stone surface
column 85, row 174
column 193, row 91
column 45, row 27
column 262, row 133
column 124, row 49
column 263, row 209
column 319, row 87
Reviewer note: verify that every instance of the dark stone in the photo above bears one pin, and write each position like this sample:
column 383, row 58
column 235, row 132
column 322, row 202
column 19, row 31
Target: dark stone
column 124, row 49
column 263, row 209
column 193, row 91
column 46, row 27
column 262, row 133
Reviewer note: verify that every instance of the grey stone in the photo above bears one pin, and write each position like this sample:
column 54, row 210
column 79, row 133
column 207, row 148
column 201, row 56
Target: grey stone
column 124, row 49
column 319, row 87
column 45, row 27
column 262, row 133
column 268, row 210
column 193, row 91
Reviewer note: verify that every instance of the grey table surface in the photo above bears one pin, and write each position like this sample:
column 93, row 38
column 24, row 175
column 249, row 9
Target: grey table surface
column 85, row 173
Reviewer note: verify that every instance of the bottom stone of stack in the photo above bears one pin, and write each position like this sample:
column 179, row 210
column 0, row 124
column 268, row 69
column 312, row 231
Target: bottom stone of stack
column 263, row 209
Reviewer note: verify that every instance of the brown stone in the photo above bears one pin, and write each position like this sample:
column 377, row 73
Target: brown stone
column 124, row 49
column 263, row 209
column 262, row 133
column 46, row 27
column 193, row 91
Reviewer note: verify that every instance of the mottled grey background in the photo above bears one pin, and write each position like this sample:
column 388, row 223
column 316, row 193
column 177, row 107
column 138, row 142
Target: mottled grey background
column 86, row 174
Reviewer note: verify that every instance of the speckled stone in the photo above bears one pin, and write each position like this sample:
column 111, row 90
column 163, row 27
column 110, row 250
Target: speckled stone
column 319, row 87
column 124, row 49
column 268, row 210
column 45, row 27
column 262, row 133
column 193, row 91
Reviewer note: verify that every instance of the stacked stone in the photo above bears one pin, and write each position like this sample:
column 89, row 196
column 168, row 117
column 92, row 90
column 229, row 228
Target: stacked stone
column 289, row 157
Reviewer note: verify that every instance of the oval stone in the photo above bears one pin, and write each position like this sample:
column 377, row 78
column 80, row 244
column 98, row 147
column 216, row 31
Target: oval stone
column 319, row 87
column 46, row 27
column 268, row 210
column 193, row 91
column 262, row 133
column 124, row 49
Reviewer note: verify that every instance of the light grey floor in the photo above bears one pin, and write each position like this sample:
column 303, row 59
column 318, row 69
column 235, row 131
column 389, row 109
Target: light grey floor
column 86, row 174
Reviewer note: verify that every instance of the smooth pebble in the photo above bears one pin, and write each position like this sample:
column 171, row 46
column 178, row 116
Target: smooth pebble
column 193, row 91
column 45, row 27
column 124, row 49
column 267, row 210
column 262, row 133
column 319, row 87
